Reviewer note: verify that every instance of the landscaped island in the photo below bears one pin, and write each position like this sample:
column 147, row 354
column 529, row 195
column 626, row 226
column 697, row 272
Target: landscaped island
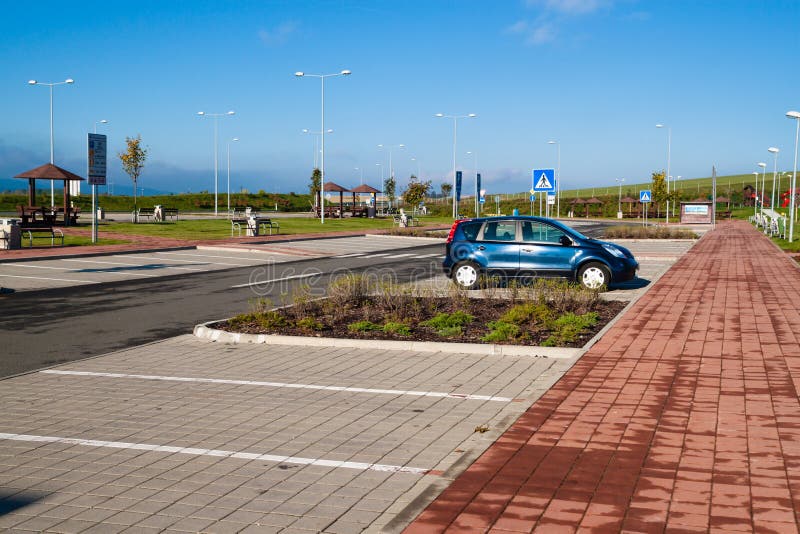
column 545, row 313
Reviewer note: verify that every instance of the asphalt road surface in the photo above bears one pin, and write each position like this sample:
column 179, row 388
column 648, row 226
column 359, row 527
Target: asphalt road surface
column 43, row 328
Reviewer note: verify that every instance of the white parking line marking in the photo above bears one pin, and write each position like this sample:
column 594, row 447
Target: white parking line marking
column 430, row 255
column 212, row 256
column 398, row 392
column 136, row 264
column 353, row 255
column 361, row 466
column 398, row 256
column 78, row 272
column 262, row 282
column 379, row 255
column 50, row 279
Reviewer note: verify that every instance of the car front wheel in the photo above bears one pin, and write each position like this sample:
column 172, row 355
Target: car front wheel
column 594, row 276
column 466, row 274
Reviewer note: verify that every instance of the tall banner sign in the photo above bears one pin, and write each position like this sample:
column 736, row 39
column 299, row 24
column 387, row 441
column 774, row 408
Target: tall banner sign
column 478, row 183
column 458, row 186
column 97, row 159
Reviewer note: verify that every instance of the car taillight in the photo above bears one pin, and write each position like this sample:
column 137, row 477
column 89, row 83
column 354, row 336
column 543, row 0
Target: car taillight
column 453, row 230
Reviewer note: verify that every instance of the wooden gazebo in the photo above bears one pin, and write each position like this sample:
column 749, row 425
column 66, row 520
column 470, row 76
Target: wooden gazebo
column 575, row 203
column 331, row 187
column 49, row 171
column 365, row 189
column 594, row 201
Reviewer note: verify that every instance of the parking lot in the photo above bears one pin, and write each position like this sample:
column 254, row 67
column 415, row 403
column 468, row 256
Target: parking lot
column 190, row 435
column 65, row 272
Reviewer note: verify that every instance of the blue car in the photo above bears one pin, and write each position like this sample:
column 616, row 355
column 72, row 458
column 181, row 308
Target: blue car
column 520, row 246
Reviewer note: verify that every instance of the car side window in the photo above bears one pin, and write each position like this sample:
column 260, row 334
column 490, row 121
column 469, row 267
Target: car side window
column 500, row 231
column 536, row 232
column 471, row 230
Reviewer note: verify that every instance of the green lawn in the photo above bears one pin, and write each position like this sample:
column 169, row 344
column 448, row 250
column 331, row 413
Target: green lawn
column 193, row 229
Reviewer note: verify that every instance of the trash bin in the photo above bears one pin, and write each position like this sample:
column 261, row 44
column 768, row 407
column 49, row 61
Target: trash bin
column 371, row 212
column 101, row 213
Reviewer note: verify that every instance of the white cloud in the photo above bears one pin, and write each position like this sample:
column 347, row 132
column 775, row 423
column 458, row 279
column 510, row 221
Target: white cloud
column 278, row 35
column 544, row 33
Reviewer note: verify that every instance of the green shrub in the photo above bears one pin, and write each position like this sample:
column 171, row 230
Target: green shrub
column 400, row 329
column 450, row 331
column 501, row 331
column 448, row 320
column 310, row 323
column 272, row 319
column 364, row 326
column 569, row 327
column 537, row 312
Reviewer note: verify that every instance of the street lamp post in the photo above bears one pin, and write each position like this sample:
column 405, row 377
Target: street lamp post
column 755, row 197
column 669, row 154
column 763, row 186
column 229, row 171
column 322, row 77
column 360, row 175
column 391, row 168
column 216, row 117
column 558, row 177
column 774, row 151
column 796, row 116
column 51, row 85
column 455, row 130
column 316, row 142
column 474, row 155
column 619, row 181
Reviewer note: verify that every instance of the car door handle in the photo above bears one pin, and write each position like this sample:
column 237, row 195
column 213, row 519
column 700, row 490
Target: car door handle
column 528, row 250
column 481, row 247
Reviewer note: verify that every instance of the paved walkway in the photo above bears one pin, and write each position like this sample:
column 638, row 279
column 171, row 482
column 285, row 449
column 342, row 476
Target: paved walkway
column 683, row 418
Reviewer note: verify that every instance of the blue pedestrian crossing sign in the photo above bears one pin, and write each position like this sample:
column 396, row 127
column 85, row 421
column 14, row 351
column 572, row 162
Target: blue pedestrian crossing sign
column 533, row 197
column 645, row 196
column 544, row 180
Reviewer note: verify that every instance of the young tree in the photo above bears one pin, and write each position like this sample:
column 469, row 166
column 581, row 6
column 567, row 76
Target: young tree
column 416, row 191
column 390, row 188
column 133, row 162
column 446, row 189
column 659, row 190
column 315, row 185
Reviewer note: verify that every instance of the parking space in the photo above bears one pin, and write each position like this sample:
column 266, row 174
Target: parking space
column 66, row 272
column 193, row 436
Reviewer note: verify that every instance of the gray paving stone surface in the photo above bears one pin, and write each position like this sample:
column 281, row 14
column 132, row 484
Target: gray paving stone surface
column 79, row 487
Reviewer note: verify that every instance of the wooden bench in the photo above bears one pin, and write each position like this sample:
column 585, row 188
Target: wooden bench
column 169, row 212
column 149, row 213
column 254, row 225
column 43, row 232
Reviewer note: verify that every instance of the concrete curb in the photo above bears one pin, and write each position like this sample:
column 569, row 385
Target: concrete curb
column 204, row 331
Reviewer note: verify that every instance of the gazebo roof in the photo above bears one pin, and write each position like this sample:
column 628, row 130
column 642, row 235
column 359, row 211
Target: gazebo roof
column 364, row 188
column 722, row 199
column 594, row 200
column 578, row 201
column 48, row 171
column 629, row 200
column 331, row 186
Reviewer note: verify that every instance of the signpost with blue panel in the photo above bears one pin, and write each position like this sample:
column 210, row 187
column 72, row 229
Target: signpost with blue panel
column 645, row 197
column 544, row 181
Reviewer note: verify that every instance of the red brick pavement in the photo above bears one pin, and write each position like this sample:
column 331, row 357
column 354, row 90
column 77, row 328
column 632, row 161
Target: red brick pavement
column 684, row 417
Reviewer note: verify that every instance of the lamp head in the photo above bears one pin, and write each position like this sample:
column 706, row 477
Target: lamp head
column 659, row 125
column 552, row 142
column 201, row 112
column 329, row 130
column 235, row 139
column 793, row 114
column 345, row 73
column 437, row 115
column 773, row 150
column 762, row 164
column 305, row 130
column 471, row 116
column 31, row 82
column 69, row 80
column 299, row 74
column 231, row 113
column 380, row 146
column 401, row 146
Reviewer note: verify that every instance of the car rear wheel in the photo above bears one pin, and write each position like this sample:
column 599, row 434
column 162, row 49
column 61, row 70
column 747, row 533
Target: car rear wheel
column 466, row 275
column 594, row 276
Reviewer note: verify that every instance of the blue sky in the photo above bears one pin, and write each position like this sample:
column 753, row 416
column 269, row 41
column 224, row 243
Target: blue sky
column 596, row 75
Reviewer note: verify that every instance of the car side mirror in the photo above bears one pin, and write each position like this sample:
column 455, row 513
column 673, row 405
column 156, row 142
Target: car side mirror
column 565, row 241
